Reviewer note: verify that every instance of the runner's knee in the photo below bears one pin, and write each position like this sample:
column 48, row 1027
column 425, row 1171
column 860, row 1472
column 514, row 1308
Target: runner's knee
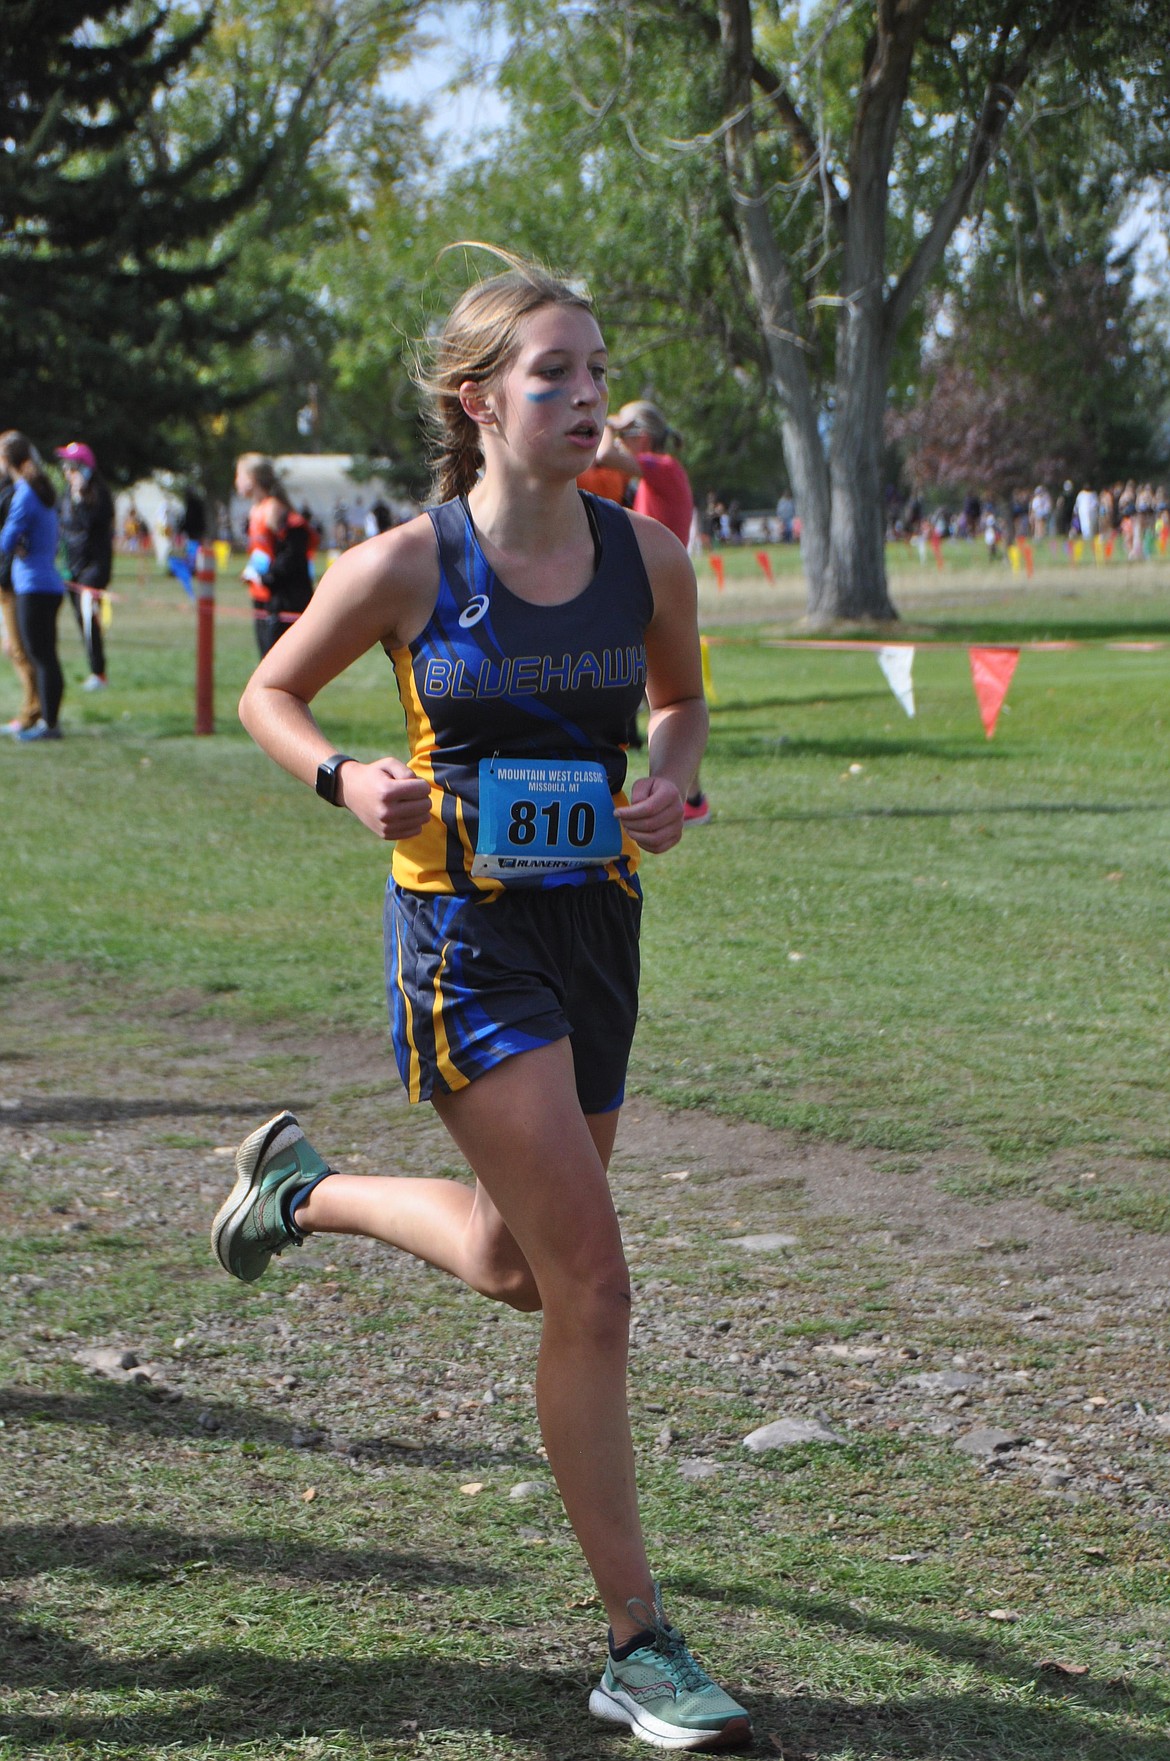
column 595, row 1301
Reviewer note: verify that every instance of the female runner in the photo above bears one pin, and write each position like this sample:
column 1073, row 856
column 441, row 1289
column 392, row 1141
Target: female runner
column 523, row 620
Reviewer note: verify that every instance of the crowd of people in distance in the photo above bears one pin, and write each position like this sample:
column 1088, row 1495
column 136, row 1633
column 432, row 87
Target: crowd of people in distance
column 1132, row 515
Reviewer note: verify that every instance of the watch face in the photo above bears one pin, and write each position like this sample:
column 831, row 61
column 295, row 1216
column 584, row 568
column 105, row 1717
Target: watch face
column 327, row 778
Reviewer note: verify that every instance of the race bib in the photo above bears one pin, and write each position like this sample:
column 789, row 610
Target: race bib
column 543, row 816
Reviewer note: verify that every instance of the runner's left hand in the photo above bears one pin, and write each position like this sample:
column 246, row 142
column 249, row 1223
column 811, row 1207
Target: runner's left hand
column 654, row 818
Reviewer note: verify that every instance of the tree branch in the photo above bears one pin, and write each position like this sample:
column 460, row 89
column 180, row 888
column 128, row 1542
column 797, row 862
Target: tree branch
column 1004, row 83
column 783, row 104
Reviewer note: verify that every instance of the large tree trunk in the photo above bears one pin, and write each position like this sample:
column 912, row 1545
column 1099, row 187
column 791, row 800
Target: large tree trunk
column 841, row 502
column 856, row 583
column 804, row 456
column 771, row 285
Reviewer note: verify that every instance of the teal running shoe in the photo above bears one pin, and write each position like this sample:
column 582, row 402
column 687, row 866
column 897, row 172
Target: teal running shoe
column 251, row 1225
column 664, row 1696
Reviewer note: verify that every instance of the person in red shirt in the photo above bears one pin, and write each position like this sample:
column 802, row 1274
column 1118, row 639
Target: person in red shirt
column 636, row 443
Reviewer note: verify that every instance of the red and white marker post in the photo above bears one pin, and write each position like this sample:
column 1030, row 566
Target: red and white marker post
column 204, row 582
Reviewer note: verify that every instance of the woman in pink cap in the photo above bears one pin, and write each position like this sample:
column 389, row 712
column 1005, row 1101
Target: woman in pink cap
column 87, row 526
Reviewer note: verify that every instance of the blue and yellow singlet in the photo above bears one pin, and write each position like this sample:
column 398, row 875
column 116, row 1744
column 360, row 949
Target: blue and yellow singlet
column 495, row 678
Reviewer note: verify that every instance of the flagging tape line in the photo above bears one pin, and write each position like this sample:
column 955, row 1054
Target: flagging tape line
column 102, row 592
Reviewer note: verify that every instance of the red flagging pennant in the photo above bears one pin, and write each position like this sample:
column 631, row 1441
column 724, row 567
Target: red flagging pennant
column 991, row 674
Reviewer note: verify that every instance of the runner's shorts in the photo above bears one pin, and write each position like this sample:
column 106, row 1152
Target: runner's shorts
column 471, row 982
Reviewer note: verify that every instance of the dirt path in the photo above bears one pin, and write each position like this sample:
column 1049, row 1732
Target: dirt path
column 1028, row 1320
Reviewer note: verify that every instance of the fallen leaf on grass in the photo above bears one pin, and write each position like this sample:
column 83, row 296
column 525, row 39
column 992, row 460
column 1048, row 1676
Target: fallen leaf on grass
column 1005, row 1614
column 1055, row 1667
column 471, row 1488
column 308, row 1495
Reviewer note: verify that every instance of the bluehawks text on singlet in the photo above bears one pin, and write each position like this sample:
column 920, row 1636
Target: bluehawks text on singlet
column 533, row 675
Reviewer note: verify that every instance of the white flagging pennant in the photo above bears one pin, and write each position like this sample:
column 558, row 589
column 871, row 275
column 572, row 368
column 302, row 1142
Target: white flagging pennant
column 897, row 663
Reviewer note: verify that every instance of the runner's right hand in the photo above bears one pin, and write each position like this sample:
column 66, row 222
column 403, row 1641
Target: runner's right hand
column 386, row 796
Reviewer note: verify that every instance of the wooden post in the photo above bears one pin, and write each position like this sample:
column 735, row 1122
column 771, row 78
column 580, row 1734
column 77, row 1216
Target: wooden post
column 205, row 640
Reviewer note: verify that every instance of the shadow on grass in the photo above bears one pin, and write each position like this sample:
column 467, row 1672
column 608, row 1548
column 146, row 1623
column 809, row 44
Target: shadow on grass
column 102, row 1109
column 813, row 700
column 128, row 1407
column 747, row 746
column 1011, row 631
column 1056, row 809
column 959, row 1644
column 225, row 1694
column 147, row 1553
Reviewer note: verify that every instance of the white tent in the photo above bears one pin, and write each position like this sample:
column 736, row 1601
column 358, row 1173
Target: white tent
column 321, row 481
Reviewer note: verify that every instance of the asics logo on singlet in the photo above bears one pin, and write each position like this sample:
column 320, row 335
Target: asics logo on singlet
column 476, row 608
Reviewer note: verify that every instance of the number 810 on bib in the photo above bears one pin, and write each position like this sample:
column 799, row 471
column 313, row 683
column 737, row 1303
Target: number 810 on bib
column 543, row 816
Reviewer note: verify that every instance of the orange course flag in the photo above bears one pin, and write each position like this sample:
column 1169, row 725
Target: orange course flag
column 717, row 570
column 991, row 674
column 765, row 563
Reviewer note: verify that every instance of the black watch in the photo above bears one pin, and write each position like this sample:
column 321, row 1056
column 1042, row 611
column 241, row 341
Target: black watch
column 327, row 776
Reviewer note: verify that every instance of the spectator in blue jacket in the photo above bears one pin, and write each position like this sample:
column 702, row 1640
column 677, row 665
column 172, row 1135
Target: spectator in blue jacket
column 30, row 708
column 30, row 537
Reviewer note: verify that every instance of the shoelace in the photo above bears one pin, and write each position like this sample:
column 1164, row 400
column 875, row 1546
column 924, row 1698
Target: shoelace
column 669, row 1643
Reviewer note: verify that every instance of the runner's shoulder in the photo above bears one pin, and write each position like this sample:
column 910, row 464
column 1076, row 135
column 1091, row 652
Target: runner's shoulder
column 665, row 558
column 399, row 568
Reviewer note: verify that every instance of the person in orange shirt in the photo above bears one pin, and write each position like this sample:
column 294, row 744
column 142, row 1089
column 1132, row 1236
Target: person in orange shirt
column 600, row 480
column 278, row 573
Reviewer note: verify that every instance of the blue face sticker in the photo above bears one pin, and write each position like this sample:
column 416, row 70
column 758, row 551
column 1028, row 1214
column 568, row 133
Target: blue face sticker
column 542, row 397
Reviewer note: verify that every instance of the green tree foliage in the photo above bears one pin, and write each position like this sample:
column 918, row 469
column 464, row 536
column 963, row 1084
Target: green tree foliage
column 846, row 143
column 1042, row 366
column 649, row 225
column 654, row 242
column 159, row 162
column 1058, row 390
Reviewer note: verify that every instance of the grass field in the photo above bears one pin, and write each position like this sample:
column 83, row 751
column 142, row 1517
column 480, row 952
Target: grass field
column 934, row 961
column 895, row 932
